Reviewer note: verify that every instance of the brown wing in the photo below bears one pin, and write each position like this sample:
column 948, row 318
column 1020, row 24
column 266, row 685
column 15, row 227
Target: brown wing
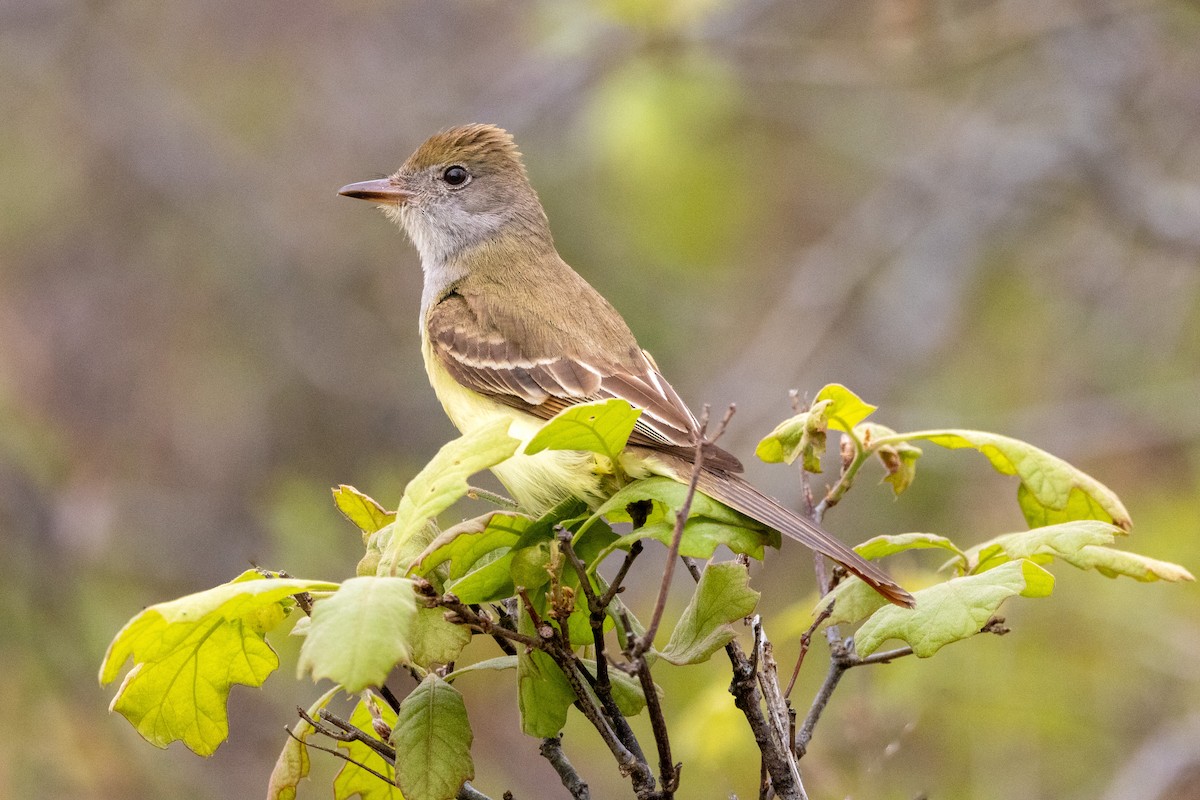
column 544, row 377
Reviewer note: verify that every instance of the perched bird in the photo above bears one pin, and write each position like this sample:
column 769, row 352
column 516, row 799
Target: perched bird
column 508, row 329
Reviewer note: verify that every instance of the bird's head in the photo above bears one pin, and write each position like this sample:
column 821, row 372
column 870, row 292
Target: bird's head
column 463, row 187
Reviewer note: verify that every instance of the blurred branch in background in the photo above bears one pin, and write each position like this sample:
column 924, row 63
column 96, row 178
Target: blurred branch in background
column 981, row 212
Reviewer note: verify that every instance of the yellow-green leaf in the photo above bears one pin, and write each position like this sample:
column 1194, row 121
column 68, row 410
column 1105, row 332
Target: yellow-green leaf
column 846, row 409
column 882, row 546
column 467, row 542
column 352, row 779
column 436, row 487
column 189, row 652
column 364, row 512
column 801, row 436
column 953, row 610
column 434, row 640
column 1063, row 540
column 358, row 634
column 1051, row 490
column 1114, row 563
column 722, row 596
column 601, row 427
column 433, row 742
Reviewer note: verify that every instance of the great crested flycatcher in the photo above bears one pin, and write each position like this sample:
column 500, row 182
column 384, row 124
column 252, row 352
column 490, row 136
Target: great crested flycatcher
column 508, row 329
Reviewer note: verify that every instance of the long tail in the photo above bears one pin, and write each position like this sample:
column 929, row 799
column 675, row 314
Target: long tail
column 736, row 493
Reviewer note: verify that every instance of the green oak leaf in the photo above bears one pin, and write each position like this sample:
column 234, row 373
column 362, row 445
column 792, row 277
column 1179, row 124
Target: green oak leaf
column 881, row 546
column 359, row 633
column 854, row 600
column 709, row 523
column 489, row 580
column 1114, row 563
column 189, row 652
column 543, row 692
column 433, row 742
column 292, row 765
column 701, row 537
column 1041, row 545
column 846, row 409
column 352, row 779
column 364, row 512
column 1082, row 544
column 464, row 544
column 436, row 487
column 669, row 494
column 801, row 436
column 1051, row 490
column 433, row 640
column 722, row 596
column 953, row 610
column 601, row 427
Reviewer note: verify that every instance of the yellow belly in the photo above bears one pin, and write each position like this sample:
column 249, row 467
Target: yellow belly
column 537, row 482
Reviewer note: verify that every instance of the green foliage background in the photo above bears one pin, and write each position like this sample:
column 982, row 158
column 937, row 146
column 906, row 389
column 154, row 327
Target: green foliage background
column 977, row 215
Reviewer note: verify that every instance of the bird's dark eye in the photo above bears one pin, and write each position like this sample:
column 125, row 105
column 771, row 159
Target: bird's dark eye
column 456, row 175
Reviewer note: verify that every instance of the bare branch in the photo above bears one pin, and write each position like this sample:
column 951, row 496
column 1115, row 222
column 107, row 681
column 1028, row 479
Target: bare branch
column 333, row 751
column 552, row 751
column 776, row 704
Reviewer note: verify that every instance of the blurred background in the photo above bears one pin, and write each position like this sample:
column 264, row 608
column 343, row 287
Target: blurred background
column 975, row 213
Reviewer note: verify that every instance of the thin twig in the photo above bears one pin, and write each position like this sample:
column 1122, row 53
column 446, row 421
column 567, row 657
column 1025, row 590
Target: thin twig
column 504, row 644
column 390, row 698
column 469, row 792
column 667, row 769
column 333, row 751
column 837, row 668
column 602, row 683
column 885, row 657
column 646, row 641
column 556, row 644
column 463, row 614
column 635, row 550
column 805, row 642
column 355, row 734
column 552, row 751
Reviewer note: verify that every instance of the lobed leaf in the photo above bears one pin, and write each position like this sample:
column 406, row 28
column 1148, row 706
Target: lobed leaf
column 846, row 409
column 954, row 610
column 352, row 779
column 464, row 544
column 188, row 654
column 433, row 742
column 364, row 512
column 601, row 427
column 1114, row 563
column 436, row 487
column 1040, row 544
column 882, row 546
column 709, row 523
column 359, row 633
column 723, row 595
column 1051, row 490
